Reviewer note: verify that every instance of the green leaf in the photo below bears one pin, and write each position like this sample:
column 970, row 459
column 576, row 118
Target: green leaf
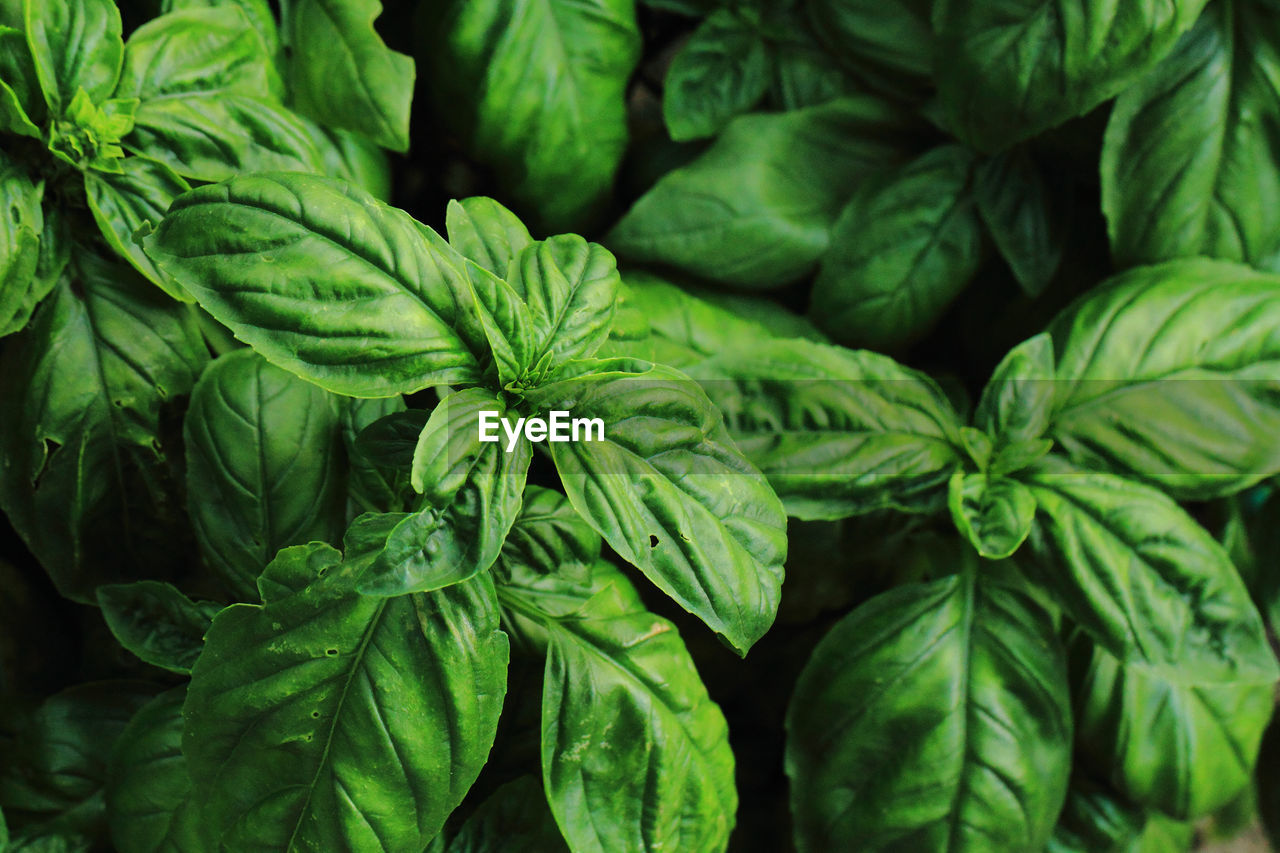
column 837, row 432
column 571, row 287
column 55, row 763
column 1169, row 374
column 390, row 441
column 263, row 468
column 933, row 717
column 328, row 720
column 471, row 496
column 1188, row 166
column 134, row 199
column 805, row 72
column 20, row 288
column 721, row 71
column 1095, row 820
column 195, row 52
column 354, row 159
column 635, row 755
column 341, row 289
column 1015, row 69
column 257, row 11
column 554, row 147
column 75, row 44
column 1017, row 402
column 1183, row 748
column 149, row 792
column 485, row 232
column 22, row 104
column 1025, row 222
column 993, row 514
column 671, row 493
column 904, row 247
column 514, row 817
column 509, row 328
column 157, row 622
column 371, row 485
column 891, row 37
column 1147, row 582
column 342, row 74
column 87, row 482
column 547, row 538
column 755, row 210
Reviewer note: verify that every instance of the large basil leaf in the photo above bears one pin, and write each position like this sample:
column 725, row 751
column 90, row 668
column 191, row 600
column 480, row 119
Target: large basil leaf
column 196, row 51
column 124, row 202
column 1151, row 585
column 903, row 248
column 87, row 484
column 755, row 210
column 75, row 44
column 54, row 766
column 157, row 622
column 1189, row 166
column 486, row 232
column 149, row 801
column 22, row 105
column 1184, row 749
column 837, row 432
column 555, row 146
column 1170, row 375
column 263, row 467
column 670, row 492
column 342, row 73
column 20, row 288
column 328, row 720
column 635, row 755
column 933, row 717
column 1017, row 402
column 514, row 817
column 1027, row 223
column 325, row 281
column 1013, row 69
column 891, row 36
column 258, row 12
column 723, row 70
column 471, row 494
column 548, row 537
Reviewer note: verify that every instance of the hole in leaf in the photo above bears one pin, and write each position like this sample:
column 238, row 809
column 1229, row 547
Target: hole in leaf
column 653, row 541
column 331, row 652
column 315, row 715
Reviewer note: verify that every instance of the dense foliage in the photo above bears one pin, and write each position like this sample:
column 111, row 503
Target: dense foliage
column 962, row 317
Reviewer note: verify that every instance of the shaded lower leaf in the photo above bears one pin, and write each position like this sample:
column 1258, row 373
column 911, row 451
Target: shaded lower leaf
column 514, row 817
column 157, row 622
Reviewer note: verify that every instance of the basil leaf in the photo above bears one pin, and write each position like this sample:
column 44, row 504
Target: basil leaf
column 292, row 702
column 377, row 309
column 514, row 817
column 1017, row 403
column 258, row 12
column 20, row 289
column 1183, row 748
column 986, row 769
column 993, row 513
column 217, row 135
column 755, row 209
column 1024, row 220
column 1147, row 582
column 157, row 622
column 805, row 72
column 354, row 159
column 148, row 793
column 721, row 71
column 547, row 538
column 509, row 328
column 389, row 441
column 54, row 764
column 635, row 755
column 134, row 199
column 1188, row 166
column 196, row 51
column 904, row 247
column 1169, row 374
column 485, row 232
column 554, row 148
column 1017, row 68
column 75, row 44
column 670, row 492
column 263, row 470
column 893, row 38
column 342, row 74
column 87, row 482
column 570, row 286
column 471, row 495
column 373, row 486
column 837, row 432
column 22, row 103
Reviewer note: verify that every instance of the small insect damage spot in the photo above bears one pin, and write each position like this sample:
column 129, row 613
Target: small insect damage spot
column 653, row 541
column 331, row 652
